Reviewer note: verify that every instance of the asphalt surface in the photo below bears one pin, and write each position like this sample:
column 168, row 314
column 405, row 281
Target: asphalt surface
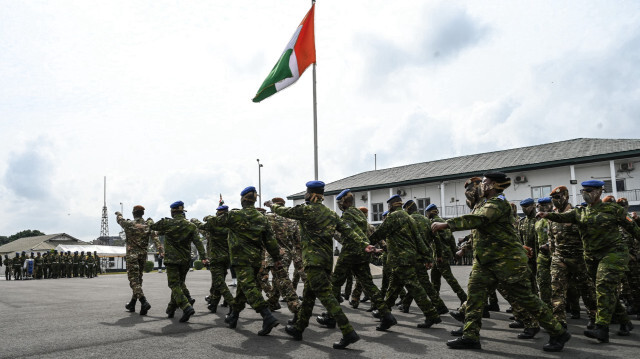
column 85, row 318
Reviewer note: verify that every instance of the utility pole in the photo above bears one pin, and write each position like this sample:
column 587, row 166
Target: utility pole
column 259, row 184
column 104, row 225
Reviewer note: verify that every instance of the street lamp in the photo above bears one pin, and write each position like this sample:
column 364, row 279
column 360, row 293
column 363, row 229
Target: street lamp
column 259, row 184
column 121, row 208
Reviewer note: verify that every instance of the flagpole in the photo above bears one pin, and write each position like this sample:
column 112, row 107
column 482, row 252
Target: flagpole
column 315, row 118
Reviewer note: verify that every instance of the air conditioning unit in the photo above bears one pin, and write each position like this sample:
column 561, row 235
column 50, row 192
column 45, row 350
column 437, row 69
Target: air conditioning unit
column 625, row 167
column 520, row 179
column 401, row 192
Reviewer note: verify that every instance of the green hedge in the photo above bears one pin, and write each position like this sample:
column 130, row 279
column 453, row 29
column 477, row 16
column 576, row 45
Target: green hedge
column 198, row 265
column 148, row 266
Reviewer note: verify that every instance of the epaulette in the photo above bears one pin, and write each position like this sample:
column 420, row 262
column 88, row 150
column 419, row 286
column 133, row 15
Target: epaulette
column 502, row 197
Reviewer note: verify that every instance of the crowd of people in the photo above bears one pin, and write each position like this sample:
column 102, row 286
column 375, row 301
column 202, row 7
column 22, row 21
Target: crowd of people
column 51, row 265
column 541, row 263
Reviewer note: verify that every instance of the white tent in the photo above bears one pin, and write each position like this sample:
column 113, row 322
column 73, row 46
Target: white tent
column 108, row 254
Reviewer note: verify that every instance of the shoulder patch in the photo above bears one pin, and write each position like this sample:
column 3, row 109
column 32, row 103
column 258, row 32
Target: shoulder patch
column 502, row 197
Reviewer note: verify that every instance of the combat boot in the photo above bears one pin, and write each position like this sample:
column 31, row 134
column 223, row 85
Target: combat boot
column 186, row 314
column 212, row 308
column 485, row 313
column 144, row 306
column 625, row 329
column 591, row 323
column 458, row 332
column 493, row 307
column 274, row 306
column 364, row 299
column 376, row 314
column 443, row 310
column 556, row 344
column 457, row 315
column 293, row 332
column 207, row 298
column 191, row 300
column 403, row 308
column 268, row 322
column 509, row 310
column 170, row 312
column 346, row 340
column 529, row 333
column 387, row 321
column 131, row 306
column 354, row 304
column 326, row 321
column 429, row 322
column 601, row 332
column 294, row 319
column 516, row 324
column 464, row 343
column 232, row 319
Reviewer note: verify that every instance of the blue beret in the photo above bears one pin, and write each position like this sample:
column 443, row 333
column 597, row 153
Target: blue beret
column 385, row 213
column 526, row 202
column 177, row 204
column 394, row 197
column 315, row 184
column 592, row 183
column 408, row 203
column 342, row 194
column 430, row 207
column 222, row 208
column 247, row 190
column 544, row 200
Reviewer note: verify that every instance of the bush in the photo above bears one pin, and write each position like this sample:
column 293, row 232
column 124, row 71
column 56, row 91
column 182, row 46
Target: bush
column 148, row 266
column 198, row 265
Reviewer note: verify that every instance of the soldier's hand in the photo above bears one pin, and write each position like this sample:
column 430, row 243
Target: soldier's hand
column 439, row 226
column 541, row 215
column 634, row 216
column 268, row 204
column 460, row 253
column 205, row 262
column 370, row 249
column 118, row 213
column 529, row 251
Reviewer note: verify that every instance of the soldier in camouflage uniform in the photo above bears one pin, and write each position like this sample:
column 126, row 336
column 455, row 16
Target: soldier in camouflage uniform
column 8, row 267
column 317, row 226
column 354, row 260
column 249, row 231
column 442, row 266
column 90, row 263
column 528, row 236
column 567, row 262
column 631, row 280
column 434, row 245
column 137, row 233
column 219, row 260
column 543, row 261
column 406, row 250
column 499, row 258
column 17, row 267
column 38, row 266
column 179, row 234
column 96, row 268
column 606, row 255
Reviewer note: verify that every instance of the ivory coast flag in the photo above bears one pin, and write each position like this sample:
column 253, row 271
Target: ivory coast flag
column 297, row 56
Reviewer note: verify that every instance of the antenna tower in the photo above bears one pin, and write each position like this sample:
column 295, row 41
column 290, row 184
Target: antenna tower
column 104, row 226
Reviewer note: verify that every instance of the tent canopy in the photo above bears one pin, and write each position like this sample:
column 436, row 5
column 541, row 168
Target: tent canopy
column 103, row 251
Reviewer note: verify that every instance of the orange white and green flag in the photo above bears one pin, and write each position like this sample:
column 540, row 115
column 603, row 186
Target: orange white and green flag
column 297, row 56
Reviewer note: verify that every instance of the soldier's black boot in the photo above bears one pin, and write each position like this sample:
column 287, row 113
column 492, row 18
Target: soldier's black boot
column 458, row 332
column 187, row 313
column 556, row 344
column 457, row 315
column 494, row 307
column 600, row 332
column 429, row 322
column 443, row 309
column 268, row 322
column 293, row 332
column 509, row 310
column 591, row 323
column 464, row 343
column 171, row 311
column 625, row 329
column 224, row 304
column 365, row 299
column 354, row 304
column 232, row 319
column 294, row 319
column 516, row 324
column 485, row 312
column 326, row 321
column 144, row 306
column 346, row 340
column 387, row 321
column 131, row 306
column 191, row 300
column 529, row 333
column 213, row 308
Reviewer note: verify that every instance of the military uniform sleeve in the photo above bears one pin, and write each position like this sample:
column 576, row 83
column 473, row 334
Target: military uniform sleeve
column 195, row 239
column 421, row 247
column 629, row 225
column 159, row 226
column 486, row 214
column 346, row 230
column 270, row 243
column 565, row 217
column 382, row 231
column 297, row 212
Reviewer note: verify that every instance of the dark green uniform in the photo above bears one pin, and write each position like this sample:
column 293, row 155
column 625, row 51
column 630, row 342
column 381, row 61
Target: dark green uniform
column 442, row 268
column 543, row 268
column 219, row 261
column 528, row 237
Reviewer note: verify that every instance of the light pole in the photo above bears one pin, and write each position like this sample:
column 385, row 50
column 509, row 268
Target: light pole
column 259, row 184
column 121, row 208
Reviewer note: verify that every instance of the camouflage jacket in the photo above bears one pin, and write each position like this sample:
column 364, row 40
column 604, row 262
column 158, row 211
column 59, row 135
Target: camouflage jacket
column 178, row 233
column 430, row 239
column 632, row 243
column 249, row 231
column 564, row 240
column 527, row 233
column 405, row 245
column 76, row 259
column 355, row 250
column 8, row 262
column 598, row 225
column 317, row 226
column 447, row 242
column 217, row 241
column 493, row 234
column 138, row 232
column 542, row 235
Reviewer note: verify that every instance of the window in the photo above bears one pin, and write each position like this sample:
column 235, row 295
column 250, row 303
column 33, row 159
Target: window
column 620, row 186
column 377, row 208
column 540, row 191
column 422, row 204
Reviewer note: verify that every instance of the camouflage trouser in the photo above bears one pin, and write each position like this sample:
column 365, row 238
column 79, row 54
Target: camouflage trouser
column 406, row 276
column 533, row 267
column 90, row 268
column 83, row 269
column 573, row 296
column 631, row 284
column 75, row 269
column 298, row 273
column 318, row 285
column 218, row 283
column 135, row 268
column 348, row 285
column 607, row 272
column 248, row 291
column 346, row 267
column 357, row 291
column 176, row 276
column 443, row 269
column 423, row 278
column 386, row 277
column 564, row 271
column 7, row 273
column 38, row 272
column 17, row 272
column 543, row 276
column 282, row 286
column 513, row 276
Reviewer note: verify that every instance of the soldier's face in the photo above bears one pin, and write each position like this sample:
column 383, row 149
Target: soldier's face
column 545, row 207
column 528, row 210
column 591, row 194
column 486, row 186
column 560, row 200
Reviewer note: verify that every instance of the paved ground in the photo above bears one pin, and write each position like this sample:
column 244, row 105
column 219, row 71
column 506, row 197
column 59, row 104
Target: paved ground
column 82, row 318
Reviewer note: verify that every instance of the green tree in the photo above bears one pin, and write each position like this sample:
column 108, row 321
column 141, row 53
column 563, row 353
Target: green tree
column 21, row 234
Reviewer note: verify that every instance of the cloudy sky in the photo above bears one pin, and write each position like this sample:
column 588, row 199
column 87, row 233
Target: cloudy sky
column 156, row 95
